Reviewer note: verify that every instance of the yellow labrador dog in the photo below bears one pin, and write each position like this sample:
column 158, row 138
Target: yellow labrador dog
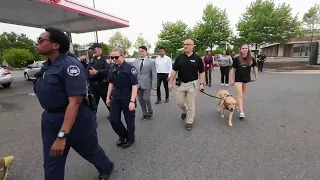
column 226, row 102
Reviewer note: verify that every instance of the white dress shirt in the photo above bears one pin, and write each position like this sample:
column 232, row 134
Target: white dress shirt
column 164, row 64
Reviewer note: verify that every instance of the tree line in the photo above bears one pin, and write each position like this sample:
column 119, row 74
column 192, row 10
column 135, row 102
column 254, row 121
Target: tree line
column 263, row 21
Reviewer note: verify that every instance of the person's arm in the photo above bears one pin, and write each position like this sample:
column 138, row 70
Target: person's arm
column 104, row 72
column 212, row 63
column 174, row 71
column 172, row 76
column 233, row 70
column 201, row 72
column 255, row 69
column 110, row 86
column 154, row 75
column 134, row 82
column 230, row 60
column 76, row 88
column 170, row 66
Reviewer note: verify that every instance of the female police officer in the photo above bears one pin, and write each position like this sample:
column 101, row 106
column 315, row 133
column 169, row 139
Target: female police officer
column 67, row 121
column 123, row 87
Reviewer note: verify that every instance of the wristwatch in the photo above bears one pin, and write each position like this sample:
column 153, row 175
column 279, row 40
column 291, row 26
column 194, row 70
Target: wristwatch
column 62, row 134
column 132, row 101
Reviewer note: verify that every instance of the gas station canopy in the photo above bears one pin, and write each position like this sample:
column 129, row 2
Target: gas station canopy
column 66, row 15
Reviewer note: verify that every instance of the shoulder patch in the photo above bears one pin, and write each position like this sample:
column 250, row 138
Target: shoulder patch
column 134, row 71
column 73, row 70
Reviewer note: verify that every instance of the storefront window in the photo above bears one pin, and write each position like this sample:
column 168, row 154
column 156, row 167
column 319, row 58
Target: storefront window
column 301, row 49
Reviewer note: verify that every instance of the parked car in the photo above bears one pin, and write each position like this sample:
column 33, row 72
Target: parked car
column 32, row 69
column 5, row 77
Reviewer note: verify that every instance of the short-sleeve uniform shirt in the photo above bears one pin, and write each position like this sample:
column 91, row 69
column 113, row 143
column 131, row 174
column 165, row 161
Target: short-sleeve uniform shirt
column 188, row 67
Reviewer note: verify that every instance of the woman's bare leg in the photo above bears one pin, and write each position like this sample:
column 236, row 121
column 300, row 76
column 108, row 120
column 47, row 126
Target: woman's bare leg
column 238, row 86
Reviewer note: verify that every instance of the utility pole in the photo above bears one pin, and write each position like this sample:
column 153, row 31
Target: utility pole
column 96, row 32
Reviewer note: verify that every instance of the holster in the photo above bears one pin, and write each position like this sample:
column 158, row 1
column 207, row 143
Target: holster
column 92, row 102
column 178, row 82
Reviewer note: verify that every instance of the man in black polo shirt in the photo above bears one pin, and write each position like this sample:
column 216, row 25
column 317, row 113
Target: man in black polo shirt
column 188, row 65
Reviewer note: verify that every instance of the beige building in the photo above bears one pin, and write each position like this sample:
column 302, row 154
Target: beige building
column 298, row 47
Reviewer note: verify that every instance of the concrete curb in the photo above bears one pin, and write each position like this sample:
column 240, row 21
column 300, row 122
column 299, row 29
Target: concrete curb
column 274, row 71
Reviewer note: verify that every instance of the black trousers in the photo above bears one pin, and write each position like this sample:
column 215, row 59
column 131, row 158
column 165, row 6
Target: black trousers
column 162, row 77
column 119, row 105
column 208, row 75
column 260, row 65
column 99, row 90
column 225, row 74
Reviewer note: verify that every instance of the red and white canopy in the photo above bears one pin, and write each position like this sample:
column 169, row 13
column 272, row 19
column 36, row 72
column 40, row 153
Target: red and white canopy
column 66, row 15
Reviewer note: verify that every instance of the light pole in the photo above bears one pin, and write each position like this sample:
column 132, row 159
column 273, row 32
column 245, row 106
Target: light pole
column 96, row 32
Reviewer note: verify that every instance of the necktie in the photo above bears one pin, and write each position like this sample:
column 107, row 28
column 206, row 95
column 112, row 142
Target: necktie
column 141, row 64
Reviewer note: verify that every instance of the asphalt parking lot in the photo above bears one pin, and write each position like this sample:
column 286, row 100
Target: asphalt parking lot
column 278, row 140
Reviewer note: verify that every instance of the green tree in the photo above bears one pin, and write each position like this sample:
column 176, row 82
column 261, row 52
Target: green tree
column 16, row 57
column 311, row 20
column 118, row 40
column 264, row 22
column 20, row 41
column 214, row 27
column 106, row 49
column 141, row 42
column 172, row 36
column 76, row 46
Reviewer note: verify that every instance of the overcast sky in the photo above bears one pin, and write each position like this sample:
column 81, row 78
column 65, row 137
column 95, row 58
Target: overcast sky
column 146, row 16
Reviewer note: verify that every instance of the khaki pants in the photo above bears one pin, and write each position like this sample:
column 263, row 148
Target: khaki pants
column 186, row 96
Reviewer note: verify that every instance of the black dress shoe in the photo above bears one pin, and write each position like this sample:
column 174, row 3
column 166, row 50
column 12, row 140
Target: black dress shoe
column 106, row 176
column 127, row 143
column 183, row 116
column 144, row 117
column 167, row 100
column 150, row 116
column 158, row 101
column 121, row 141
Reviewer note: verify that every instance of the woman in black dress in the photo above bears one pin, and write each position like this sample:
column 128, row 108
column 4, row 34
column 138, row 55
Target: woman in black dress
column 241, row 74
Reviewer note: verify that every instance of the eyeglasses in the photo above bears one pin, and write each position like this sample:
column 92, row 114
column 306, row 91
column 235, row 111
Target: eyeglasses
column 114, row 57
column 41, row 40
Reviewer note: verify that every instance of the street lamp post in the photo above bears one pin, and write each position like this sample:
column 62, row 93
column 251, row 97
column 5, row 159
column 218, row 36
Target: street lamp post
column 96, row 32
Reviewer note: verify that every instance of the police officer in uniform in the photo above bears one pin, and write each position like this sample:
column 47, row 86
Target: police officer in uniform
column 98, row 70
column 67, row 120
column 123, row 87
column 261, row 59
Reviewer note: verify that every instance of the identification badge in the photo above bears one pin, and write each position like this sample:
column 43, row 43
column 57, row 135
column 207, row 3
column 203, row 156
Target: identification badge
column 192, row 60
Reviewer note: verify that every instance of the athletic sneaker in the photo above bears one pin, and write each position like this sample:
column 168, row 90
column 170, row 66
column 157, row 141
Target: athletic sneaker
column 227, row 85
column 5, row 165
column 242, row 115
column 221, row 84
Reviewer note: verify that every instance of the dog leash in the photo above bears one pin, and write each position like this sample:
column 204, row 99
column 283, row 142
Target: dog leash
column 210, row 95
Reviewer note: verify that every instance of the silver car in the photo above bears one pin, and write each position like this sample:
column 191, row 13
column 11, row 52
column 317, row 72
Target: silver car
column 32, row 69
column 5, row 77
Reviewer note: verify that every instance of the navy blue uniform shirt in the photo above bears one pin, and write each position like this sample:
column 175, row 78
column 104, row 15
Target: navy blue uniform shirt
column 100, row 64
column 63, row 78
column 123, row 77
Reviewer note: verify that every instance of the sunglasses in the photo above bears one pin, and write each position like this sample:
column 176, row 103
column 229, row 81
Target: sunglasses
column 41, row 40
column 115, row 57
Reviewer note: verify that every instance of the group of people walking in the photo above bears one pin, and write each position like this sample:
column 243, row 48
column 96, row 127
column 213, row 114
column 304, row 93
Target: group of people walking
column 68, row 90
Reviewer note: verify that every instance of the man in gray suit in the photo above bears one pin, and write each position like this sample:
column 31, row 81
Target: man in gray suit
column 147, row 78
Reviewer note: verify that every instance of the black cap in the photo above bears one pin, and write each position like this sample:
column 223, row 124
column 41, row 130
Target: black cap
column 95, row 45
